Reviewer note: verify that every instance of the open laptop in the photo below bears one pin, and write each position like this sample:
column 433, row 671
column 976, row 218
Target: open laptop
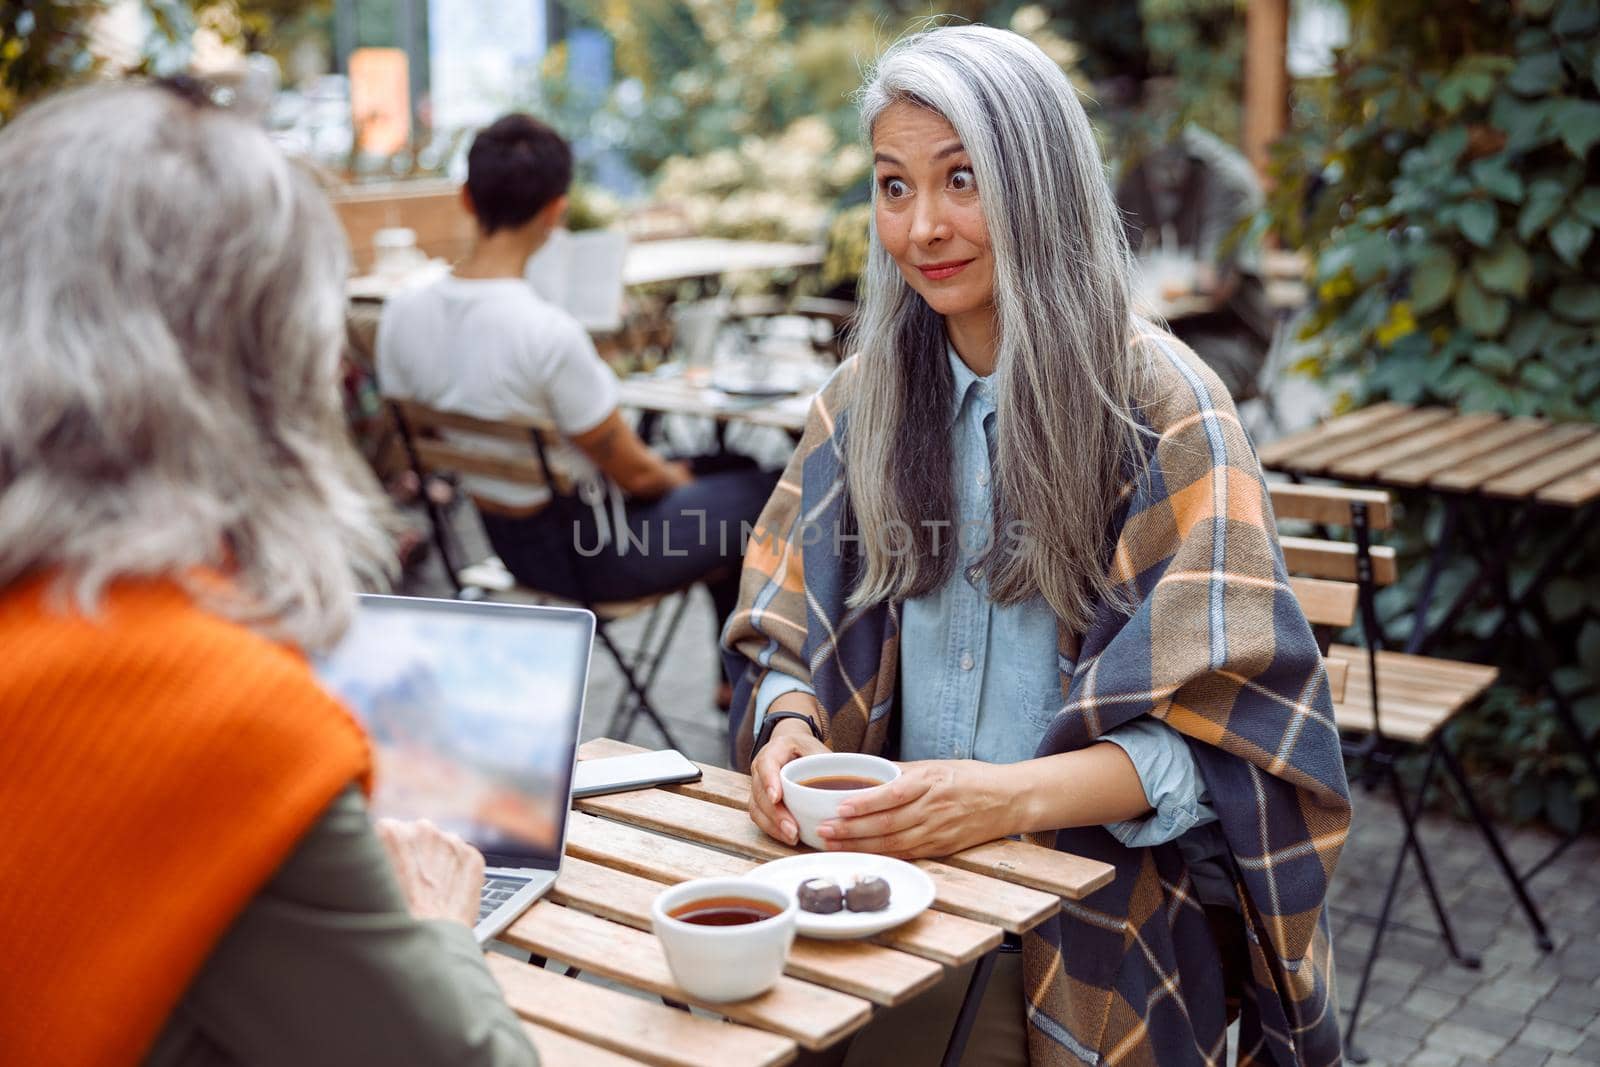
column 473, row 710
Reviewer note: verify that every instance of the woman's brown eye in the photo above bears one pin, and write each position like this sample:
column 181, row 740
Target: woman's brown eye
column 894, row 188
column 963, row 181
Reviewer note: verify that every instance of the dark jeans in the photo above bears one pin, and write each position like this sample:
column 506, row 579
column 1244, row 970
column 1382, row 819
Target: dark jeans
column 691, row 534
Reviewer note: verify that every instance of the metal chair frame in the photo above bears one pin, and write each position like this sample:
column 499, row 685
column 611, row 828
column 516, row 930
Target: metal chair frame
column 639, row 670
column 1381, row 754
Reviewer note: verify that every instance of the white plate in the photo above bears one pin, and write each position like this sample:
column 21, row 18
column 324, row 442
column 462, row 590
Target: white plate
column 910, row 891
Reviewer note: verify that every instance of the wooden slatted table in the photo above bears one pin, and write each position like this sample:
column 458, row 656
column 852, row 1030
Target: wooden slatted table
column 1521, row 467
column 625, row 848
column 1402, row 447
column 1494, row 478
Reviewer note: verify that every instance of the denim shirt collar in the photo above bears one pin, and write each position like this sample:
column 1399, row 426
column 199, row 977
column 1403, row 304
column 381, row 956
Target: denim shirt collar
column 980, row 389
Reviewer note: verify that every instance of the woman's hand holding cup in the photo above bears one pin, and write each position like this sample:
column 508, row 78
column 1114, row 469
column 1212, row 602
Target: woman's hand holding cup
column 789, row 741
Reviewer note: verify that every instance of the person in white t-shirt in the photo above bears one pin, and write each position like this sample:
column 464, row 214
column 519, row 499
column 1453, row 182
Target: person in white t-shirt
column 482, row 342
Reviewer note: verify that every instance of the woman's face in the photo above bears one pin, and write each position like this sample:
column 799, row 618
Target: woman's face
column 928, row 211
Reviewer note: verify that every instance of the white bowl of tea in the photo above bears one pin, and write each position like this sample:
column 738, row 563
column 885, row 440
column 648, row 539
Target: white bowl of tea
column 815, row 786
column 725, row 939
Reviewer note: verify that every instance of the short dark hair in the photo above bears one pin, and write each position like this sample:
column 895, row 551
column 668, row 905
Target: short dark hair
column 516, row 167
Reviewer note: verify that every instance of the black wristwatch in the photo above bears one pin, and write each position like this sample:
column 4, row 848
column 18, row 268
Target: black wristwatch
column 774, row 718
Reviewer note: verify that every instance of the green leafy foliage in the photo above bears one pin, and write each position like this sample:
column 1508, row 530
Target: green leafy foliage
column 1448, row 189
column 47, row 44
column 1445, row 180
column 1200, row 45
column 43, row 45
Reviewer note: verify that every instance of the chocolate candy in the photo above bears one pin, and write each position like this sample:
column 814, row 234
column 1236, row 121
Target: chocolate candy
column 821, row 896
column 868, row 893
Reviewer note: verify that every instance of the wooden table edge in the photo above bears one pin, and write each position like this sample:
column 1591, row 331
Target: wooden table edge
column 1104, row 873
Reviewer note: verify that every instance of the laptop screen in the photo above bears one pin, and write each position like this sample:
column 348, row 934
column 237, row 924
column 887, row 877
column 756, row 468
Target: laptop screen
column 473, row 711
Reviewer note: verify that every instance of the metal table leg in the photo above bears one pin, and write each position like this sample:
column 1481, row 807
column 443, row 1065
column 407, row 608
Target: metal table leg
column 969, row 1009
column 1421, row 634
column 1529, row 597
column 1491, row 564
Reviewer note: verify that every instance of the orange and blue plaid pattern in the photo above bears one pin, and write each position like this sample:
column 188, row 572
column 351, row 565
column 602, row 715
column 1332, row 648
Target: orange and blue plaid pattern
column 1216, row 646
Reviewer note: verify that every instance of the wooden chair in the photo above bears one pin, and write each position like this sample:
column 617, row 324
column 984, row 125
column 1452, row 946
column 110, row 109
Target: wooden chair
column 1336, row 583
column 446, row 442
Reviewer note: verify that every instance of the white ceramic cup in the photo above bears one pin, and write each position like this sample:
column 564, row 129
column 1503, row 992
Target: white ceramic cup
column 813, row 807
column 719, row 964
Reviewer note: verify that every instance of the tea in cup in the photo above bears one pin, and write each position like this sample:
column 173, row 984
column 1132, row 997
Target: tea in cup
column 725, row 939
column 815, row 786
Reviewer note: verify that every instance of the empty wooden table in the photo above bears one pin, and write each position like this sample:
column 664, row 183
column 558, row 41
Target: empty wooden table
column 1521, row 467
column 1495, row 478
column 625, row 848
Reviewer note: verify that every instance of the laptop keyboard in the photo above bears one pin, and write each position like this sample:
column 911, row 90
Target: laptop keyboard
column 497, row 889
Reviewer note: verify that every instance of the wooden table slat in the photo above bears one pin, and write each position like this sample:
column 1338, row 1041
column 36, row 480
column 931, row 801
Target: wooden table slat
column 1473, row 474
column 1059, row 873
column 1319, row 457
column 1286, row 449
column 558, row 1050
column 935, row 935
column 1416, row 470
column 1371, row 463
column 810, row 1014
column 649, row 855
column 632, row 1026
column 1581, row 456
column 859, row 968
column 1573, row 491
column 1015, row 908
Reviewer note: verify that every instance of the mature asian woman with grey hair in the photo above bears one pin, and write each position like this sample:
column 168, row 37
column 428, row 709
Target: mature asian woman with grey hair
column 1025, row 547
column 187, row 871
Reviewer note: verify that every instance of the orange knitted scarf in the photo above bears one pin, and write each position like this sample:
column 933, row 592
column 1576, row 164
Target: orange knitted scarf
column 157, row 765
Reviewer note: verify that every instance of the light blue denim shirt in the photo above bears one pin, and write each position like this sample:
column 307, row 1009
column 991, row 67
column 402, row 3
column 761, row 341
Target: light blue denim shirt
column 980, row 680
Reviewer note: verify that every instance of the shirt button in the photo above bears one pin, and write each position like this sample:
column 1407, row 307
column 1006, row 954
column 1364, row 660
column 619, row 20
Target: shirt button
column 983, row 477
column 966, row 661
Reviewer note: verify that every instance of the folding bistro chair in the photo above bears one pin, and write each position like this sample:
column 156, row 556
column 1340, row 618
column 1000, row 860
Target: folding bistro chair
column 438, row 442
column 1336, row 583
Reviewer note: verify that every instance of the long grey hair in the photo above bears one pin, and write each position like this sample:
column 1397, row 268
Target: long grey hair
column 172, row 299
column 1066, row 378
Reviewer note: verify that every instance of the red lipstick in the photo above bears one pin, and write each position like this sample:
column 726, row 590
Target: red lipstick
column 937, row 272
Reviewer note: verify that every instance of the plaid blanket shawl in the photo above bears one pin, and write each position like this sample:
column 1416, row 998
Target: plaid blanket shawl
column 1217, row 648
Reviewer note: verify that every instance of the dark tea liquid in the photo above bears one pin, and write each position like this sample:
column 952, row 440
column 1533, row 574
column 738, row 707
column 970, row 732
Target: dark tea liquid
column 840, row 781
column 724, row 911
